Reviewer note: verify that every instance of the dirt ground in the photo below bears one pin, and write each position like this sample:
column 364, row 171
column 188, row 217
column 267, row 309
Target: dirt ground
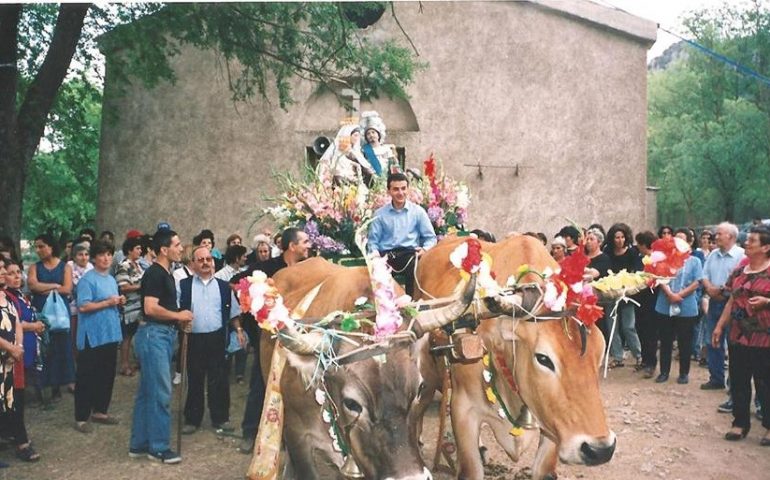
column 664, row 431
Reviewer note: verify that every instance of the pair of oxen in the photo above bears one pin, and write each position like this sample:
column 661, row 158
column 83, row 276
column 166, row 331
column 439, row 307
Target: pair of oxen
column 379, row 405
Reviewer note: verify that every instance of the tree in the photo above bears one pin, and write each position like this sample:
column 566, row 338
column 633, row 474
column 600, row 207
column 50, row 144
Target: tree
column 709, row 126
column 261, row 45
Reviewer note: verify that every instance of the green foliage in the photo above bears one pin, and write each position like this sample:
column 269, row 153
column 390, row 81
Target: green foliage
column 709, row 127
column 62, row 184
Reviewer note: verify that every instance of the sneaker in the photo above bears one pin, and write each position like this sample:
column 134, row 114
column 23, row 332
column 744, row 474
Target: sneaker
column 177, row 378
column 137, row 452
column 225, row 427
column 726, row 407
column 168, row 456
column 189, row 429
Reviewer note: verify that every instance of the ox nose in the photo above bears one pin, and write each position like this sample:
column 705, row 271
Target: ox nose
column 597, row 454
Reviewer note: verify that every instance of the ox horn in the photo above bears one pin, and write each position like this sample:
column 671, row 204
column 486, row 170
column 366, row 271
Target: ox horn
column 524, row 299
column 301, row 343
column 428, row 320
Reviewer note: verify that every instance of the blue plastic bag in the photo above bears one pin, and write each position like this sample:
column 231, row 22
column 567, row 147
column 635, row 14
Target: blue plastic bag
column 233, row 345
column 56, row 312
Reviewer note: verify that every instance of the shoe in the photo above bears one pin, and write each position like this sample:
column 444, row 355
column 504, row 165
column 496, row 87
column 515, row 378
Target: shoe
column 683, row 380
column 225, row 427
column 663, row 377
column 246, row 446
column 639, row 366
column 758, row 414
column 108, row 420
column 177, row 378
column 169, row 457
column 726, row 407
column 649, row 372
column 27, row 454
column 83, row 427
column 734, row 437
column 711, row 386
column 765, row 441
column 137, row 452
column 616, row 364
column 189, row 429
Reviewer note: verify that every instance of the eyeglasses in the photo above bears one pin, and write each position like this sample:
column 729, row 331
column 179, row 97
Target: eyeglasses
column 204, row 259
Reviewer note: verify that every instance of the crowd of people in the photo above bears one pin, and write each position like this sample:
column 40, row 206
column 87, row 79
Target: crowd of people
column 174, row 304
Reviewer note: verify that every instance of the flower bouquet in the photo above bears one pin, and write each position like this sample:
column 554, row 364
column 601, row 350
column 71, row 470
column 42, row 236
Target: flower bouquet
column 330, row 213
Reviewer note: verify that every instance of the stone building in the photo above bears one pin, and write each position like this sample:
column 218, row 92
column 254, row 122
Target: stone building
column 541, row 107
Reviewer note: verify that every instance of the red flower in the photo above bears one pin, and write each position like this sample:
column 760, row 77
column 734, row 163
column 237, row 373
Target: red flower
column 672, row 258
column 429, row 167
column 589, row 312
column 473, row 259
column 573, row 267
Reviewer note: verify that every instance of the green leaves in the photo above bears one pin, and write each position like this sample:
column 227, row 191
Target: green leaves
column 709, row 126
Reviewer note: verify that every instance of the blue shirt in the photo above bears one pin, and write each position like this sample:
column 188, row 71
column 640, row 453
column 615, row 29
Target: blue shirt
column 207, row 305
column 720, row 264
column 102, row 326
column 408, row 227
column 690, row 272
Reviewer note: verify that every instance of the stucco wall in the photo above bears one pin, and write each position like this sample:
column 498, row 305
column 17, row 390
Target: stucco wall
column 561, row 93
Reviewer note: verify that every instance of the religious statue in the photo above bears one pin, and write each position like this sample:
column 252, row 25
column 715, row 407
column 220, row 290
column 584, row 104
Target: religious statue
column 380, row 156
column 343, row 160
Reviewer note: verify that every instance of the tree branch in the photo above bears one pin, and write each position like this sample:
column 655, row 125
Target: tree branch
column 43, row 89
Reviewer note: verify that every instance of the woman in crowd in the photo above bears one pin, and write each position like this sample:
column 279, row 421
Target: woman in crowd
column 706, row 242
column 624, row 256
column 748, row 314
column 98, row 338
column 677, row 311
column 129, row 277
column 558, row 249
column 12, row 361
column 665, row 231
column 47, row 275
column 79, row 265
column 31, row 325
column 597, row 268
column 645, row 312
column 148, row 255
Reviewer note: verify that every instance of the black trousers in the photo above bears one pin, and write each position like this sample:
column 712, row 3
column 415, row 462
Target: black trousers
column 402, row 261
column 646, row 328
column 745, row 363
column 94, row 380
column 254, row 402
column 666, row 328
column 207, row 369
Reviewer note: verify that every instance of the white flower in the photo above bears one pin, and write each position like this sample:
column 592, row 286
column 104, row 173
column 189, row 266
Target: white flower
column 552, row 299
column 681, row 245
column 320, row 396
column 501, row 413
column 463, row 197
column 327, row 417
column 657, row 256
column 547, row 272
column 361, row 301
column 487, row 376
column 458, row 255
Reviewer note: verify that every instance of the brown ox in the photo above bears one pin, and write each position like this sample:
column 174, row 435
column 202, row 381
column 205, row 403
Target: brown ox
column 375, row 400
column 558, row 384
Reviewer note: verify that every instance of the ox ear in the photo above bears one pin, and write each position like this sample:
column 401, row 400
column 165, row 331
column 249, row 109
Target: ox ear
column 306, row 365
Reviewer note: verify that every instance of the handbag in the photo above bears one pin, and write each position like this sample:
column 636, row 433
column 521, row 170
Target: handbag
column 233, row 345
column 56, row 312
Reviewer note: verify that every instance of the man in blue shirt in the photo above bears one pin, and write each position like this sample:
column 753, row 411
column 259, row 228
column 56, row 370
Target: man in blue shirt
column 215, row 309
column 719, row 264
column 401, row 230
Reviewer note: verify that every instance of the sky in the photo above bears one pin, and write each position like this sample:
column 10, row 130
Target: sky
column 666, row 13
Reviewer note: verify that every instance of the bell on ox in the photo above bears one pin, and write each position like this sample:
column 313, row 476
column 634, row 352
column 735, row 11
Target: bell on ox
column 525, row 419
column 350, row 469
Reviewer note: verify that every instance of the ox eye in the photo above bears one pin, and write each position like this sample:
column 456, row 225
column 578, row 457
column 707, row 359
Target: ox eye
column 545, row 361
column 352, row 405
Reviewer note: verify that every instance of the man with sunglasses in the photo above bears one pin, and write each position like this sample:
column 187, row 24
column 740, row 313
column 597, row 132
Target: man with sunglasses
column 215, row 313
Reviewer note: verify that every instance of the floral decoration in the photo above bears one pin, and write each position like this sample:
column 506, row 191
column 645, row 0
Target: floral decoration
column 667, row 257
column 330, row 214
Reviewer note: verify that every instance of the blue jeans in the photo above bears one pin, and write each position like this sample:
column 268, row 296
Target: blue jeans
column 715, row 356
column 154, row 347
column 626, row 321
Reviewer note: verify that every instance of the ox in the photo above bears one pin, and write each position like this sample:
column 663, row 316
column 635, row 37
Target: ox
column 547, row 372
column 374, row 400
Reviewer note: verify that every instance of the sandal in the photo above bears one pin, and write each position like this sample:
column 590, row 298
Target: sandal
column 127, row 372
column 27, row 454
column 617, row 364
column 108, row 420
